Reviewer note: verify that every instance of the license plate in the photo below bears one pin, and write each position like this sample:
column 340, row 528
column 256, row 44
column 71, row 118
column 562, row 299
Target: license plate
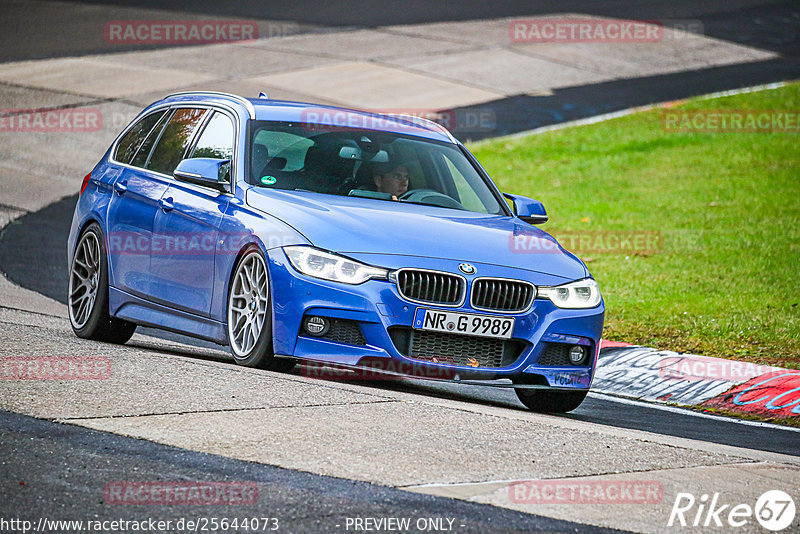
column 464, row 323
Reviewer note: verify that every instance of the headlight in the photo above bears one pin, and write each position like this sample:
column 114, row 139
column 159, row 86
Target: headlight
column 321, row 264
column 580, row 294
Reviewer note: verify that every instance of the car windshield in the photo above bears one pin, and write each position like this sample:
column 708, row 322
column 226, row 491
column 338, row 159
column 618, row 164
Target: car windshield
column 370, row 164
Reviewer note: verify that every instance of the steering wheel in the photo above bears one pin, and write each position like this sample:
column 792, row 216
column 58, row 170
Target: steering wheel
column 431, row 197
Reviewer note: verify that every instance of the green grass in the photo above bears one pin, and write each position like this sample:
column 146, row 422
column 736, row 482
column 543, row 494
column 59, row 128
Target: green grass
column 727, row 205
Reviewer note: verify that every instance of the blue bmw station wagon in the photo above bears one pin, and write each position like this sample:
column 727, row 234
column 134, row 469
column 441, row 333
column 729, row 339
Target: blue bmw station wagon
column 296, row 232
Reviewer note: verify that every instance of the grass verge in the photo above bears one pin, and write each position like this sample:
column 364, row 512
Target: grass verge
column 723, row 280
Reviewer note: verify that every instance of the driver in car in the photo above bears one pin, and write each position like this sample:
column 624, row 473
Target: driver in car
column 391, row 179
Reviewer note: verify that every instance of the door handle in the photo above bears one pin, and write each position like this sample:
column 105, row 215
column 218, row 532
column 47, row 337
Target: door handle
column 120, row 186
column 166, row 204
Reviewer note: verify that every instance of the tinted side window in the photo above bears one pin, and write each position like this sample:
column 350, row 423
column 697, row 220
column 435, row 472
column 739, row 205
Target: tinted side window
column 468, row 190
column 216, row 141
column 466, row 194
column 132, row 140
column 176, row 137
column 144, row 151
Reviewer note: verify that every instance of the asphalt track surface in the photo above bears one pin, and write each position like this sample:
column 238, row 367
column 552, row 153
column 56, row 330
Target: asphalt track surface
column 47, row 31
column 49, row 228
column 59, row 472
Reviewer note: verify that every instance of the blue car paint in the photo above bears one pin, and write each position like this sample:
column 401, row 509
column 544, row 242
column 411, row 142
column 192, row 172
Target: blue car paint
column 405, row 229
column 148, row 313
column 185, row 273
column 155, row 290
column 360, row 303
column 132, row 209
column 203, row 167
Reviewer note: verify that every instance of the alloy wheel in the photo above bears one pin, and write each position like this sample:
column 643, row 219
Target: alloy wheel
column 84, row 279
column 247, row 304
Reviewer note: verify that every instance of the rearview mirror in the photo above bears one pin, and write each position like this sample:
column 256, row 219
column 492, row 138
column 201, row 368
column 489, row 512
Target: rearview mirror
column 529, row 210
column 352, row 152
column 203, row 171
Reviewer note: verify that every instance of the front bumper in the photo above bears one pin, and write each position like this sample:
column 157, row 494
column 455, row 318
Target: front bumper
column 384, row 319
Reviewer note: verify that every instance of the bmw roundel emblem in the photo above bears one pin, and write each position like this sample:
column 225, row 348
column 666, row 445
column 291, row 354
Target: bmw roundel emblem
column 466, row 268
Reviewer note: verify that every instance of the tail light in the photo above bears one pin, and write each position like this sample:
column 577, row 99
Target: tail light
column 85, row 182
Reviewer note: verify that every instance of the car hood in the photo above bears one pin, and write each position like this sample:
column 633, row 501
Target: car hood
column 367, row 226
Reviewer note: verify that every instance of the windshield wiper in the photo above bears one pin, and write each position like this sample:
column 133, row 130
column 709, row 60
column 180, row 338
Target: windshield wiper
column 366, row 193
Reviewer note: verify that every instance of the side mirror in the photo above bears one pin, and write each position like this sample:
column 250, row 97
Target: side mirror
column 203, row 171
column 529, row 210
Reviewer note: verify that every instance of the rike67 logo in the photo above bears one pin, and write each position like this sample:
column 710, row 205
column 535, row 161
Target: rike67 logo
column 774, row 510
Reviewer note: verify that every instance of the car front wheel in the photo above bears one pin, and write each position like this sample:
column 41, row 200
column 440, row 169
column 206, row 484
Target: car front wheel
column 88, row 292
column 250, row 315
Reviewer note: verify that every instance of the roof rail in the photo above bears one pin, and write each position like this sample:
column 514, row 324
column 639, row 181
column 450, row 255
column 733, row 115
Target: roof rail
column 240, row 99
column 436, row 125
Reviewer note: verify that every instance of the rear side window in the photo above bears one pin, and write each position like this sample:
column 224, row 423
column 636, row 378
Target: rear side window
column 144, row 151
column 173, row 142
column 132, row 140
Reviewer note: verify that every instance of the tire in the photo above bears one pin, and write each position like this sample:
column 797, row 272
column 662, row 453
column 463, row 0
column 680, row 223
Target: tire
column 544, row 401
column 87, row 299
column 249, row 314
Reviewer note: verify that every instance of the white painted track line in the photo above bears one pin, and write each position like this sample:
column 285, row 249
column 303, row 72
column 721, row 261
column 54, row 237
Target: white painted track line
column 689, row 412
